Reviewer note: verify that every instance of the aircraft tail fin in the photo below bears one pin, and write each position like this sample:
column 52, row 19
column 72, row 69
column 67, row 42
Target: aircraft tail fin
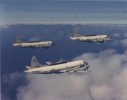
column 18, row 40
column 34, row 62
column 77, row 34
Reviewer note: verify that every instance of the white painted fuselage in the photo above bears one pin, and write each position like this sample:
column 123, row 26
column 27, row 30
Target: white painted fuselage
column 34, row 44
column 60, row 68
column 92, row 38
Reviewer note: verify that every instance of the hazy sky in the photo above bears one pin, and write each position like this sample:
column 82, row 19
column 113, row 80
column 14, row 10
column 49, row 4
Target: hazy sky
column 63, row 11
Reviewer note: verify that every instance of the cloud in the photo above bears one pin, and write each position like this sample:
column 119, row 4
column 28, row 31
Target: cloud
column 53, row 87
column 116, row 35
column 116, row 39
column 124, row 42
column 106, row 80
column 125, row 34
column 102, row 92
column 119, row 39
column 120, row 82
column 9, row 84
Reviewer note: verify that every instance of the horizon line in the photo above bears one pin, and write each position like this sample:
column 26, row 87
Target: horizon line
column 6, row 25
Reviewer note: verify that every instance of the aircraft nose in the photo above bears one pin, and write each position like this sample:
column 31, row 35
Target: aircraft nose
column 86, row 65
column 83, row 64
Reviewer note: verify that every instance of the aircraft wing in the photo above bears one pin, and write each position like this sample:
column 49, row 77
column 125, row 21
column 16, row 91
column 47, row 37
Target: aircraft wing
column 77, row 69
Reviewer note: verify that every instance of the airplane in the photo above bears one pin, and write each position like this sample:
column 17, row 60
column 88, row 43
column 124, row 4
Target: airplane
column 90, row 38
column 33, row 44
column 61, row 66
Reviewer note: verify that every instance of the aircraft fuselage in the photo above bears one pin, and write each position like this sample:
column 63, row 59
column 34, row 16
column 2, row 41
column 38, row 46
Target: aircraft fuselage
column 64, row 67
column 96, row 38
column 34, row 44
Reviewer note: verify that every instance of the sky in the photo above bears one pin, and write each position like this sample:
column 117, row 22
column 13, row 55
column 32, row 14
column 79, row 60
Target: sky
column 63, row 11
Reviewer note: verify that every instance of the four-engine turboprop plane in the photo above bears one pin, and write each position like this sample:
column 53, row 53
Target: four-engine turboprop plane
column 34, row 44
column 61, row 66
column 90, row 38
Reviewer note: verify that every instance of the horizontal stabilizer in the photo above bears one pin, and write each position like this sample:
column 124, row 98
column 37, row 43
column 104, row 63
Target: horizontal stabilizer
column 27, row 67
column 77, row 34
column 18, row 40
